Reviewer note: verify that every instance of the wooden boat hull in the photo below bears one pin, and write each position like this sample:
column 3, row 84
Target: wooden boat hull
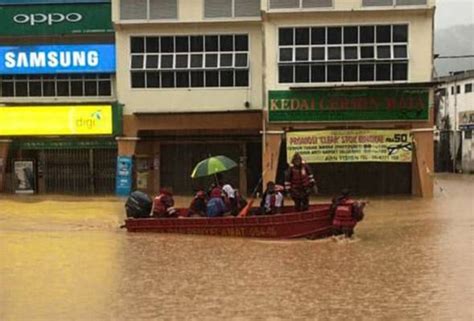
column 313, row 223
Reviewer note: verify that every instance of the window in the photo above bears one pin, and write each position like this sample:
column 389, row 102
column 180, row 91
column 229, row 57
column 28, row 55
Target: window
column 148, row 9
column 231, row 8
column 458, row 89
column 343, row 54
column 189, row 61
column 60, row 85
column 370, row 3
column 299, row 4
column 467, row 88
column 468, row 134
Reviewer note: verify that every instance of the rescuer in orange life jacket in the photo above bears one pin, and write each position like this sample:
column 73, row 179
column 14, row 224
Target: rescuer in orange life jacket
column 299, row 182
column 345, row 213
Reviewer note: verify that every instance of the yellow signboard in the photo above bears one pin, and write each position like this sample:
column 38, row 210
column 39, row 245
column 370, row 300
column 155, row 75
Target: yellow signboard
column 56, row 120
column 338, row 146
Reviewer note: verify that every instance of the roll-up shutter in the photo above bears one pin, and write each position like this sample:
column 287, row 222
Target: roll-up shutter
column 217, row 8
column 163, row 9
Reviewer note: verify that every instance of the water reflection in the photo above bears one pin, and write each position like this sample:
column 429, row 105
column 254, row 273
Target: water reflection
column 65, row 259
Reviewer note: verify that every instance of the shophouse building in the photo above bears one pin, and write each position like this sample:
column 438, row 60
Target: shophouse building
column 456, row 120
column 346, row 83
column 58, row 111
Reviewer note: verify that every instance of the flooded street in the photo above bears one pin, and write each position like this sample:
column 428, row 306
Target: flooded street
column 64, row 258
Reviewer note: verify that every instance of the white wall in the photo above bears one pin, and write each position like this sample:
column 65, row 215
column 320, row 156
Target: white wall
column 189, row 99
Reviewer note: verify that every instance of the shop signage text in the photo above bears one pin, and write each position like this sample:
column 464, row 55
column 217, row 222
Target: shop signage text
column 47, row 59
column 55, row 19
column 343, row 105
column 338, row 146
column 56, row 120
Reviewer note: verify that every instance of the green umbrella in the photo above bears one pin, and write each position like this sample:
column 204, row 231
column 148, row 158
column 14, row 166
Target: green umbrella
column 213, row 165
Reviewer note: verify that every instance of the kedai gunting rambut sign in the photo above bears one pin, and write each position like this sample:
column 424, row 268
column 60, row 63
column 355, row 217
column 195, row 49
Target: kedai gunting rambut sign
column 348, row 105
column 55, row 19
column 52, row 59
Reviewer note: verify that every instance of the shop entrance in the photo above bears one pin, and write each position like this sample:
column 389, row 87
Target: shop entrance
column 69, row 171
column 362, row 178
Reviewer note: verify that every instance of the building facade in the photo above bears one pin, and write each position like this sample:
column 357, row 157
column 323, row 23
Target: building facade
column 456, row 120
column 58, row 111
column 259, row 80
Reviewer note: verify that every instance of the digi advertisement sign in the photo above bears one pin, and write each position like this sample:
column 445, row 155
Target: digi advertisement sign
column 56, row 120
column 55, row 59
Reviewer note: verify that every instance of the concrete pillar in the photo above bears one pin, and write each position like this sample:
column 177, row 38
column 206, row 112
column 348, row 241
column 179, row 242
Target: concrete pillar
column 4, row 146
column 423, row 163
column 127, row 145
column 271, row 154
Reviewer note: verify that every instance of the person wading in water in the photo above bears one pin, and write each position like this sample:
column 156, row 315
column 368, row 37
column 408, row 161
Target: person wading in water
column 299, row 182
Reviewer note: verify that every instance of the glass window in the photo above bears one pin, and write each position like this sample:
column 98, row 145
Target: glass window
column 334, row 35
column 318, row 73
column 384, row 34
column 318, row 36
column 153, row 79
column 285, row 36
column 137, row 45
column 318, row 53
column 286, row 54
column 285, row 74
column 302, row 54
column 334, row 73
column 167, row 44
column 351, row 73
column 182, row 44
column 227, row 43
column 301, row 73
column 211, row 43
column 383, row 72
column 152, row 44
column 334, row 53
column 302, row 36
column 351, row 35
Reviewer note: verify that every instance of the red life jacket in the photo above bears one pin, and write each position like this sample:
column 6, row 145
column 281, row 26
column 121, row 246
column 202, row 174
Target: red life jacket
column 343, row 216
column 300, row 177
column 161, row 204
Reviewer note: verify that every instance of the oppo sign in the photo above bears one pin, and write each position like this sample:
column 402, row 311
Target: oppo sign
column 49, row 18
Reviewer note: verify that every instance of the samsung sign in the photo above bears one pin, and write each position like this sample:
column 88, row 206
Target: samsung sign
column 51, row 59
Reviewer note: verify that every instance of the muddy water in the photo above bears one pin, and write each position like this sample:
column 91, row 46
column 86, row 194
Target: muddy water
column 65, row 259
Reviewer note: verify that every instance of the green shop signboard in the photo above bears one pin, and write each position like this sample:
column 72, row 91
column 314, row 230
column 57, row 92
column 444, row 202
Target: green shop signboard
column 348, row 105
column 55, row 19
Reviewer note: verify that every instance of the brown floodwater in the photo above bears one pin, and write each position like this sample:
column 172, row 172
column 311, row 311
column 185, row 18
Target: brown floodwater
column 64, row 258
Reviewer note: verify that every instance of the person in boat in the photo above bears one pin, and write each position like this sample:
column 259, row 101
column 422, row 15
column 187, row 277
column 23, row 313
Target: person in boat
column 230, row 198
column 345, row 213
column 198, row 204
column 299, row 182
column 163, row 204
column 272, row 199
column 215, row 206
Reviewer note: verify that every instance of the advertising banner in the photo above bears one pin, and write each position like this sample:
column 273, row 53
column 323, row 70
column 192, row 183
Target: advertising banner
column 55, row 19
column 123, row 180
column 56, row 120
column 25, row 176
column 348, row 105
column 54, row 59
column 339, row 146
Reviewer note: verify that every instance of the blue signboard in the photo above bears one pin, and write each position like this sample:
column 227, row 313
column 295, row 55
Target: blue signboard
column 20, row 2
column 54, row 59
column 123, row 179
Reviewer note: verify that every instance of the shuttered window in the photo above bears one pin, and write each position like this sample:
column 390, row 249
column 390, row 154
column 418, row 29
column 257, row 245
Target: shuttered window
column 133, row 9
column 148, row 9
column 231, row 8
column 376, row 3
column 299, row 4
column 163, row 9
